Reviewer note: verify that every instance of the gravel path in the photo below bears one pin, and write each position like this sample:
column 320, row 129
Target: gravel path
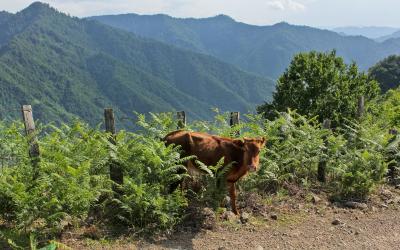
column 298, row 226
column 356, row 230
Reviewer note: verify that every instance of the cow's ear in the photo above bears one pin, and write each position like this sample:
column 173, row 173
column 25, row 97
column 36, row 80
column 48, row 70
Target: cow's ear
column 239, row 143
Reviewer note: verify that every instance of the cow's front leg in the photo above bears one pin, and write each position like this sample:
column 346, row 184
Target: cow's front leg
column 232, row 192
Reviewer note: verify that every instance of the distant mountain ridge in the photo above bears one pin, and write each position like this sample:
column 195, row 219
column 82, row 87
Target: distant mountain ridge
column 372, row 32
column 266, row 50
column 4, row 16
column 69, row 67
column 394, row 35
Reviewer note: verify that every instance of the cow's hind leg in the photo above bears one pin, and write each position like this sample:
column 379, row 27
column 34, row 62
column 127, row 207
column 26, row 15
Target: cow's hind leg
column 232, row 193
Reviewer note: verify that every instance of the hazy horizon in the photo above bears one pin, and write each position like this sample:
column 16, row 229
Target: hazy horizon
column 315, row 13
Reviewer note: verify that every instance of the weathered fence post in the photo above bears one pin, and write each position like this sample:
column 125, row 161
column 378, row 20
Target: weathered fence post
column 181, row 116
column 360, row 108
column 392, row 170
column 116, row 174
column 34, row 152
column 235, row 120
column 322, row 163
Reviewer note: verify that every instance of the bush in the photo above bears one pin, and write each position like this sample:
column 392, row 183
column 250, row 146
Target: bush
column 357, row 161
column 74, row 174
column 150, row 169
column 322, row 85
column 355, row 156
column 65, row 187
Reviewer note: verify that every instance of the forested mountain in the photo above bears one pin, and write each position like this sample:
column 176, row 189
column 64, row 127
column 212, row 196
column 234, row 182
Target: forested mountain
column 387, row 73
column 266, row 50
column 67, row 67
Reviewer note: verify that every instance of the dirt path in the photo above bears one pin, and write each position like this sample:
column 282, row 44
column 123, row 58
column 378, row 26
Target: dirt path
column 298, row 226
column 357, row 230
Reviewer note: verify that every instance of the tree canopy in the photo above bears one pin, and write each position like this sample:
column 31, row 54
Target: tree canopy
column 321, row 84
column 387, row 72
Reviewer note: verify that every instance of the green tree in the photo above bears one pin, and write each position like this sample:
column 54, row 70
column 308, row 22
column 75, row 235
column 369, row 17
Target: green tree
column 387, row 73
column 321, row 84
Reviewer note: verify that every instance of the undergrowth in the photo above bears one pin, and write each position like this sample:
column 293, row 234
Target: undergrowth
column 73, row 186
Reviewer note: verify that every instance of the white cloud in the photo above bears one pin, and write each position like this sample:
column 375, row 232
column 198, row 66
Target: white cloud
column 293, row 5
column 194, row 7
column 277, row 5
column 286, row 5
column 260, row 12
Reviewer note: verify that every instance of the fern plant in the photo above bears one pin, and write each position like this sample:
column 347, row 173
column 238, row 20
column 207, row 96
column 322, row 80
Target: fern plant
column 360, row 163
column 64, row 189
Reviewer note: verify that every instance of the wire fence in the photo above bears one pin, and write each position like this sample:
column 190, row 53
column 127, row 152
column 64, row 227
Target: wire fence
column 8, row 157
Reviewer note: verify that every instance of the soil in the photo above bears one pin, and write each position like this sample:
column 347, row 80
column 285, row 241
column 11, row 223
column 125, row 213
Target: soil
column 303, row 221
column 356, row 231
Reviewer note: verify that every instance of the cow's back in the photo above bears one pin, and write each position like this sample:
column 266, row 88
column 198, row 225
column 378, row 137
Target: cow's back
column 209, row 149
column 181, row 138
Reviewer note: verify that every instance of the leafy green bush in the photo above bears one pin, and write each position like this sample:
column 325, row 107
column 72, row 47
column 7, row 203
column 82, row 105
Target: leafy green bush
column 65, row 187
column 150, row 169
column 74, row 175
column 357, row 160
column 383, row 114
column 13, row 147
column 296, row 148
column 355, row 155
column 321, row 84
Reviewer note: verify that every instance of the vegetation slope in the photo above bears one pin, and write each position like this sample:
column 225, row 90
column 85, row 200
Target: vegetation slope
column 266, row 50
column 70, row 187
column 387, row 72
column 68, row 67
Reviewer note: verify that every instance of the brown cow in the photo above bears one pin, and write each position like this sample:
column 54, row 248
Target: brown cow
column 209, row 149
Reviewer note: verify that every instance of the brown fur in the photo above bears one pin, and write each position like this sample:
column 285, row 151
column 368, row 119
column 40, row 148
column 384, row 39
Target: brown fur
column 209, row 149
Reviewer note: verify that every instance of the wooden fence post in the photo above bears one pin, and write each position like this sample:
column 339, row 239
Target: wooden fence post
column 235, row 120
column 392, row 170
column 322, row 163
column 181, row 116
column 116, row 174
column 360, row 108
column 34, row 152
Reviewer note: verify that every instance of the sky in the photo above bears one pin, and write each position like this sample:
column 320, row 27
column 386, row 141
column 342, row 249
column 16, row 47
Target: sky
column 317, row 13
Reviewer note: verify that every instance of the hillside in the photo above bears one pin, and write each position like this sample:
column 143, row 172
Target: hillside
column 69, row 67
column 387, row 73
column 265, row 50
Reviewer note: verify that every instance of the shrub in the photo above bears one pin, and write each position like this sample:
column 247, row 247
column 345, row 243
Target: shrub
column 358, row 162
column 74, row 174
column 64, row 188
column 294, row 149
column 150, row 168
column 355, row 156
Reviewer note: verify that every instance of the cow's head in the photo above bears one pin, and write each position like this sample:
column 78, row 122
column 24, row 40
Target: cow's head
column 251, row 148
